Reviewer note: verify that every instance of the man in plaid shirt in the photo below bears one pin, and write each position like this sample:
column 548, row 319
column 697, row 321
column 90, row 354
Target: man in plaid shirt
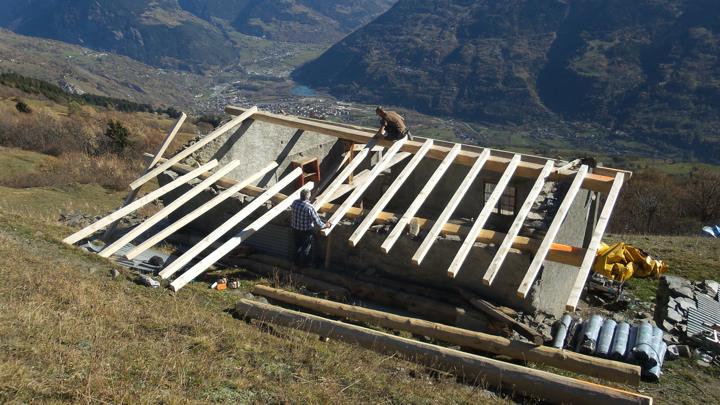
column 305, row 220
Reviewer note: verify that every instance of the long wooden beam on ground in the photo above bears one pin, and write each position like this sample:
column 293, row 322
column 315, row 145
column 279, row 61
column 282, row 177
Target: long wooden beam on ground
column 158, row 155
column 419, row 200
column 565, row 360
column 361, row 188
column 228, row 225
column 454, row 202
column 324, row 198
column 102, row 223
column 497, row 164
column 198, row 212
column 167, row 210
column 389, row 194
column 558, row 252
column 595, row 242
column 521, row 380
column 482, row 218
column 236, row 240
column 193, row 148
column 551, row 234
column 515, row 228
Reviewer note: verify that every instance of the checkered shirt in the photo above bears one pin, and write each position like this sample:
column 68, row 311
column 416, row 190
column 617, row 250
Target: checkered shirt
column 304, row 216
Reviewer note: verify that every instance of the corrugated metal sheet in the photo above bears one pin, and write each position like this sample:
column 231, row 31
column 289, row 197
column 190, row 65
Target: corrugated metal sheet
column 272, row 239
column 707, row 312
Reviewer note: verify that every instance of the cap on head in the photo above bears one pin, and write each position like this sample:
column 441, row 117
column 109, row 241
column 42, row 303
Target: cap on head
column 305, row 195
column 379, row 110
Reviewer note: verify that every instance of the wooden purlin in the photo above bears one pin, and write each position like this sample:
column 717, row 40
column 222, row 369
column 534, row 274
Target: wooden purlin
column 228, row 225
column 361, row 188
column 236, row 240
column 193, row 148
column 490, row 204
column 595, row 243
column 551, row 234
column 389, row 194
column 515, row 228
column 198, row 212
column 594, row 182
column 168, row 209
column 419, row 200
column 559, row 253
column 454, row 202
column 137, row 204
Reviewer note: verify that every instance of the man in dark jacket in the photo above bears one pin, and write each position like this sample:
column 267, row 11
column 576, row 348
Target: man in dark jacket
column 393, row 125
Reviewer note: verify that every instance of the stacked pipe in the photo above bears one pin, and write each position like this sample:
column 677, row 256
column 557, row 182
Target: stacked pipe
column 641, row 344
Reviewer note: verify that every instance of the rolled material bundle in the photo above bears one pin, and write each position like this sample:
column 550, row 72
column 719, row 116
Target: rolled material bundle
column 632, row 340
column 605, row 338
column 643, row 349
column 653, row 374
column 562, row 331
column 589, row 337
column 619, row 344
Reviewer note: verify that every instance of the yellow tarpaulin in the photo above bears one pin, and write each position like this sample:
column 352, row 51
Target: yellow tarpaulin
column 622, row 261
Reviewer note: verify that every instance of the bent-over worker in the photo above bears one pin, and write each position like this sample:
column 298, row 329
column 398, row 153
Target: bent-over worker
column 393, row 125
column 305, row 221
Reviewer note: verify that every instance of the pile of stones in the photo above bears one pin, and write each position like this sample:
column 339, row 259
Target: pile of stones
column 675, row 297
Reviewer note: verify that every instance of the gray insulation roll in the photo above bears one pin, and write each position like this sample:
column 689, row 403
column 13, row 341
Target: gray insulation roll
column 632, row 340
column 653, row 374
column 620, row 341
column 590, row 334
column 643, row 349
column 562, row 331
column 605, row 338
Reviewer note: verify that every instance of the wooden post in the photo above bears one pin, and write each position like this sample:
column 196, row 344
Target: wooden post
column 77, row 236
column 340, row 179
column 193, row 148
column 565, row 360
column 156, row 158
column 495, row 373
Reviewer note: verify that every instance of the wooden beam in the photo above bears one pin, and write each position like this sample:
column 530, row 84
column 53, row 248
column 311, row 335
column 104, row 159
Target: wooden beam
column 389, row 194
column 362, row 176
column 167, row 210
column 198, row 212
column 521, row 380
column 565, row 360
column 236, row 240
column 193, row 148
column 344, row 174
column 362, row 187
column 559, row 253
column 465, row 157
column 482, row 218
column 102, row 223
column 158, row 155
column 595, row 242
column 415, row 206
column 450, row 208
column 231, row 223
column 551, row 234
column 520, row 218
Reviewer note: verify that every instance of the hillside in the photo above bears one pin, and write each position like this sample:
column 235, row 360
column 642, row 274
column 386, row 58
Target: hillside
column 187, row 34
column 645, row 68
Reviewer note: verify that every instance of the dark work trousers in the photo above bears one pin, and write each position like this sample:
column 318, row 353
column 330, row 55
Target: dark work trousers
column 303, row 248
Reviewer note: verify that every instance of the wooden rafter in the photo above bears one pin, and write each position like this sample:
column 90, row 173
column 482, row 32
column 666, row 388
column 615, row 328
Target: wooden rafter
column 169, row 209
column 466, row 157
column 389, row 194
column 552, row 232
column 419, row 200
column 483, row 217
column 559, row 253
column 450, row 208
column 324, row 198
column 198, row 212
column 362, row 176
column 102, row 223
column 226, row 227
column 236, row 240
column 595, row 242
column 362, row 187
column 515, row 228
column 193, row 148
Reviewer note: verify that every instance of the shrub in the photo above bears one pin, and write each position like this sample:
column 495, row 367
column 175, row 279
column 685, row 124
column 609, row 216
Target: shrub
column 118, row 136
column 23, row 107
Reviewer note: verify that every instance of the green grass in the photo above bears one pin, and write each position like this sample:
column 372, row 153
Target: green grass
column 16, row 162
